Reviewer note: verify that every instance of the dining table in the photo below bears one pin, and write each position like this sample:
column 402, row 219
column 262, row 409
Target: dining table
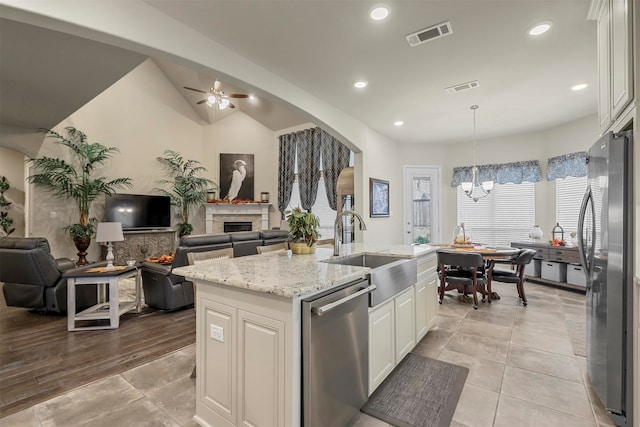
column 488, row 252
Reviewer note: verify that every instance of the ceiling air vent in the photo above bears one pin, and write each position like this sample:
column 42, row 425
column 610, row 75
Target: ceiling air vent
column 462, row 86
column 428, row 34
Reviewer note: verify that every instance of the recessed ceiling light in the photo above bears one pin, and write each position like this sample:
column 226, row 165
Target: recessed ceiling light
column 579, row 86
column 398, row 123
column 540, row 28
column 360, row 84
column 379, row 13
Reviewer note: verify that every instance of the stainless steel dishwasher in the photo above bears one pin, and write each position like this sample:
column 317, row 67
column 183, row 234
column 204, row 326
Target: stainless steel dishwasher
column 335, row 361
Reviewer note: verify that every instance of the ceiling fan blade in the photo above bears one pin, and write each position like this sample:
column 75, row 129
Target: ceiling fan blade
column 237, row 95
column 195, row 90
column 201, row 102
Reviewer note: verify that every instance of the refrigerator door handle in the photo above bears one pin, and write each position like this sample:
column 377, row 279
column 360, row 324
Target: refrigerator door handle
column 581, row 242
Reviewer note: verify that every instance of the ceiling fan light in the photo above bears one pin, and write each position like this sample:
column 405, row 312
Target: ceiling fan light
column 224, row 103
column 211, row 99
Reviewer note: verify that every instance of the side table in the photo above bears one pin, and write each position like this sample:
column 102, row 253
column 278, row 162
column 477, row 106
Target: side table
column 104, row 310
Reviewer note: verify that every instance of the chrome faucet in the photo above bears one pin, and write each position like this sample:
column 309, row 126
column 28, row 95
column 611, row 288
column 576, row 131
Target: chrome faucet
column 337, row 228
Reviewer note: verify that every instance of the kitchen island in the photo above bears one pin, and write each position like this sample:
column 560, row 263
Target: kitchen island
column 249, row 330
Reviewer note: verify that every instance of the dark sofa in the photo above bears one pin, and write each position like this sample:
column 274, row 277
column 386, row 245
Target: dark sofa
column 166, row 291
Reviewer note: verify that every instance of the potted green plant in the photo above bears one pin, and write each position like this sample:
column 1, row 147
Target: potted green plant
column 186, row 187
column 77, row 182
column 303, row 230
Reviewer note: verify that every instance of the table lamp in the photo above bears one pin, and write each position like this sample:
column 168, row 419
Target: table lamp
column 109, row 232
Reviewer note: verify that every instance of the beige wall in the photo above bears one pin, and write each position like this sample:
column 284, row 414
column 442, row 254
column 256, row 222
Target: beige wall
column 570, row 137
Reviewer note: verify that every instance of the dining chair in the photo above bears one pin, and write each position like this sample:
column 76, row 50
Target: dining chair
column 199, row 257
column 284, row 246
column 204, row 256
column 459, row 269
column 514, row 275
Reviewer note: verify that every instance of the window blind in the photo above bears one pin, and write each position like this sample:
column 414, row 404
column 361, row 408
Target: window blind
column 506, row 215
column 569, row 194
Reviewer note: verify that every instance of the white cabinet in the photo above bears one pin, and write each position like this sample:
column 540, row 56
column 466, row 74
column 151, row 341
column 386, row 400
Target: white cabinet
column 240, row 359
column 615, row 56
column 382, row 352
column 426, row 295
column 405, row 323
column 391, row 335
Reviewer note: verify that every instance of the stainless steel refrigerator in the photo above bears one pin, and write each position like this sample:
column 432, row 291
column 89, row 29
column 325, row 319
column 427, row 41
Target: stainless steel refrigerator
column 605, row 238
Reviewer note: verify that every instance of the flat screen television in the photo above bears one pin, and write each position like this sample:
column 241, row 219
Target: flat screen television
column 138, row 211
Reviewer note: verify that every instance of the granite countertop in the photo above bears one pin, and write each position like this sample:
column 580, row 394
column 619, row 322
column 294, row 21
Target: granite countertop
column 283, row 274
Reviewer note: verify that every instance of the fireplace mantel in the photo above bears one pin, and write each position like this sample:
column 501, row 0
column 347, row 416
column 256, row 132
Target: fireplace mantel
column 217, row 213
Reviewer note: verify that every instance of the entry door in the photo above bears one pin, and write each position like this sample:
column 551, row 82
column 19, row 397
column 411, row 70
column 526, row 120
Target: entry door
column 422, row 204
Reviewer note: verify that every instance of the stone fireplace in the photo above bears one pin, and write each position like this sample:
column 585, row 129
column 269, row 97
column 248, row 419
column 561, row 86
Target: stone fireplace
column 216, row 215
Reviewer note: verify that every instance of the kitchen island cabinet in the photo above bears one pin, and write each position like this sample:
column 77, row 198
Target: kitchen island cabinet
column 249, row 331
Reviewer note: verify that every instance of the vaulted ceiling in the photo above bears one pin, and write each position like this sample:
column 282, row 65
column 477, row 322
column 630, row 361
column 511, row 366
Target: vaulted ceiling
column 323, row 47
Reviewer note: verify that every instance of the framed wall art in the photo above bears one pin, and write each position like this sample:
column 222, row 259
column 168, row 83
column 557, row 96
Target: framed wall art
column 378, row 198
column 236, row 176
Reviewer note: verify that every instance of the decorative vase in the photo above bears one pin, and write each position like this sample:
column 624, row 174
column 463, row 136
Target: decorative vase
column 301, row 248
column 82, row 245
column 536, row 233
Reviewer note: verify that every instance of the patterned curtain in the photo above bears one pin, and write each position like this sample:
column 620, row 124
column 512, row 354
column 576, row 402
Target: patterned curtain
column 517, row 173
column 308, row 166
column 573, row 164
column 335, row 157
column 286, row 170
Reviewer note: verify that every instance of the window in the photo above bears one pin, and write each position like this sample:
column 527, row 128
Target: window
column 506, row 215
column 569, row 194
column 321, row 207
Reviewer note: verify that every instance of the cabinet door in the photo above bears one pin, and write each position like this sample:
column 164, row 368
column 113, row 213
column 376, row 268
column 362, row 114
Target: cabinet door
column 421, row 309
column 621, row 36
column 405, row 323
column 604, row 89
column 381, row 343
column 217, row 341
column 432, row 300
column 261, row 370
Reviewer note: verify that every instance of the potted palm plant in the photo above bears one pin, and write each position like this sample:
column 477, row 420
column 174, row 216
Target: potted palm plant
column 303, row 230
column 77, row 182
column 186, row 187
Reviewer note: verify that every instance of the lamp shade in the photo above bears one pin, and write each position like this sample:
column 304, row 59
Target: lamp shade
column 109, row 232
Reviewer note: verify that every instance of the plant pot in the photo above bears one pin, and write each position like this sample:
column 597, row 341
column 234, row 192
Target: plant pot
column 82, row 245
column 301, row 248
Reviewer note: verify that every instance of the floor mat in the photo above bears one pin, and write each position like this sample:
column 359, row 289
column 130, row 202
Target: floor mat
column 420, row 392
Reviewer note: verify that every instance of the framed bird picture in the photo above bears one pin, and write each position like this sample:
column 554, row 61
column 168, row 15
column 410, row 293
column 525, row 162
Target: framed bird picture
column 236, row 176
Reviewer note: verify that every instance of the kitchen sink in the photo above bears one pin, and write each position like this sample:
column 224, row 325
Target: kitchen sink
column 390, row 274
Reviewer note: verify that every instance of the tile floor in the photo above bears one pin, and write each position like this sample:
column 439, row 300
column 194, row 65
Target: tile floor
column 523, row 372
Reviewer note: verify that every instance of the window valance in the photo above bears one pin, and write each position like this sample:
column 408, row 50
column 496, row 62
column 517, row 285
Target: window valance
column 572, row 164
column 516, row 172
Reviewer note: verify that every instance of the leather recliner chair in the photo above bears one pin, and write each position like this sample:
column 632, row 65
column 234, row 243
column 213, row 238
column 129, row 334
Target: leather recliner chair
column 34, row 279
column 166, row 291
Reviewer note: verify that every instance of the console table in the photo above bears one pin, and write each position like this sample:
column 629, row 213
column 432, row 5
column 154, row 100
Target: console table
column 554, row 265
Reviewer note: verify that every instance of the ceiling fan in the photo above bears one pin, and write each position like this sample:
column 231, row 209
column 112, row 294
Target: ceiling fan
column 216, row 96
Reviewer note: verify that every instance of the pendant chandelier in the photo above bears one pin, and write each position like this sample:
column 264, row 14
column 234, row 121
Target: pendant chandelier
column 474, row 190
